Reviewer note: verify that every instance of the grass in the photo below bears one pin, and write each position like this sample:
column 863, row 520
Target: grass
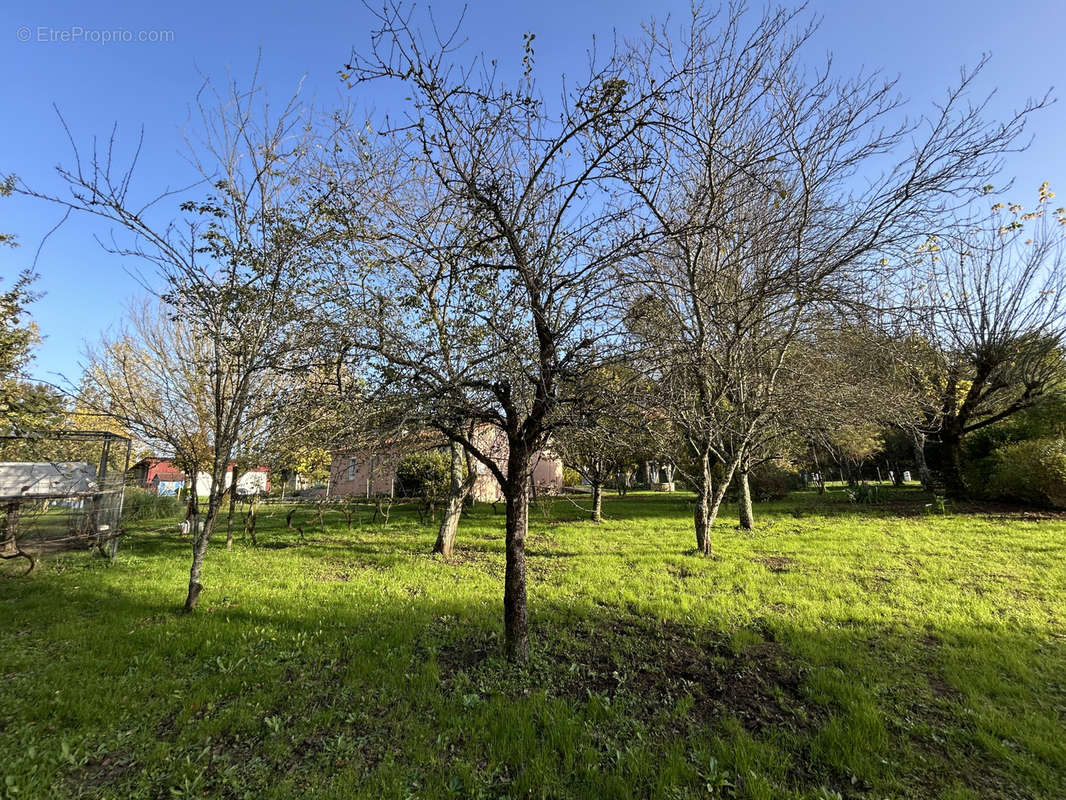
column 838, row 650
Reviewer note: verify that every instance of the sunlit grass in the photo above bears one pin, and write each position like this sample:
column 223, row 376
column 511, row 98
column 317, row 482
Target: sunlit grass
column 865, row 651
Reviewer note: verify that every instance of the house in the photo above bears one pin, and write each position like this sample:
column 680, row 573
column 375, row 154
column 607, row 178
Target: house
column 157, row 475
column 254, row 481
column 372, row 472
column 167, row 483
column 163, row 477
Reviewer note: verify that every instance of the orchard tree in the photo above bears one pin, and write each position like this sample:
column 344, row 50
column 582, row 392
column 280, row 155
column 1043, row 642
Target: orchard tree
column 25, row 405
column 749, row 178
column 232, row 268
column 989, row 312
column 496, row 229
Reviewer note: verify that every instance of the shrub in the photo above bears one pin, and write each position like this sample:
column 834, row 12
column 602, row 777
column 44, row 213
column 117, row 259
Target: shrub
column 425, row 475
column 865, row 493
column 1031, row 472
column 772, row 481
column 140, row 504
column 571, row 477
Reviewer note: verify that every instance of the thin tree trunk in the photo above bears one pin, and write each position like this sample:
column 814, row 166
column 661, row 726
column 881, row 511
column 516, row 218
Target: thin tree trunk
column 229, row 517
column 201, row 538
column 719, row 493
column 597, row 502
column 747, row 518
column 249, row 522
column 9, row 536
column 458, row 490
column 516, row 491
column 702, row 514
column 919, row 458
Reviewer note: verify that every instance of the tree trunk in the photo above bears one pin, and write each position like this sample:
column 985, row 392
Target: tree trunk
column 458, row 491
column 747, row 518
column 249, row 522
column 919, row 460
column 709, row 503
column 9, row 536
column 516, row 493
column 702, row 514
column 201, row 538
column 229, row 517
column 597, row 502
column 951, row 458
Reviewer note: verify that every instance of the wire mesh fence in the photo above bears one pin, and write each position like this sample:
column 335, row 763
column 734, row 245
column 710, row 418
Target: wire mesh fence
column 61, row 490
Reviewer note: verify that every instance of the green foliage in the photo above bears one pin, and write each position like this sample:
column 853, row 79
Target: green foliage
column 7, row 186
column 426, row 475
column 571, row 477
column 140, row 505
column 1031, row 472
column 866, row 493
column 1044, row 420
column 772, row 481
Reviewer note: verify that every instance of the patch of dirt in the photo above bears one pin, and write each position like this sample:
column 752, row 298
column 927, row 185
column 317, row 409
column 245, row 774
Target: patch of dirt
column 760, row 685
column 681, row 572
column 492, row 563
column 930, row 640
column 333, row 576
column 1006, row 512
column 102, row 772
column 650, row 666
column 466, row 654
column 775, row 563
column 941, row 688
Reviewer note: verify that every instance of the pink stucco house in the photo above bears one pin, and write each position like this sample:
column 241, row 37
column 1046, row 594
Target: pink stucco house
column 370, row 473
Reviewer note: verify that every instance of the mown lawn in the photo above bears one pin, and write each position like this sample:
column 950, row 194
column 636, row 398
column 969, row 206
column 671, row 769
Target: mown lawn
column 838, row 650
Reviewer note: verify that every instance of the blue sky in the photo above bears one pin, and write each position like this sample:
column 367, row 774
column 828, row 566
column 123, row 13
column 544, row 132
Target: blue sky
column 53, row 53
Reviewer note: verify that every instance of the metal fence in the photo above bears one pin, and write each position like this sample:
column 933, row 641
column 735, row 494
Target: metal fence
column 61, row 490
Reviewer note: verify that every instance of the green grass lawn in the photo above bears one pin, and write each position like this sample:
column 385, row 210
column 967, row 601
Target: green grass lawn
column 838, row 650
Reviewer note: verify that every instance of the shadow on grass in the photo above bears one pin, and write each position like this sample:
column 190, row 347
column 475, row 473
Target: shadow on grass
column 609, row 699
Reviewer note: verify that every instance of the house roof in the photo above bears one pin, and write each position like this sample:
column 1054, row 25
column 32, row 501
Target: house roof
column 46, row 479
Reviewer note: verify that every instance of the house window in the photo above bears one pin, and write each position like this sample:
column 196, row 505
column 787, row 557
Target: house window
column 351, row 469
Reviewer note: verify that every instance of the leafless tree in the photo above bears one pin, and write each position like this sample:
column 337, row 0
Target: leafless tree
column 775, row 190
column 485, row 286
column 231, row 264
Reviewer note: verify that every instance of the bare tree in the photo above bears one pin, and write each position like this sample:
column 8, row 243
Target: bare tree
column 988, row 307
column 493, row 244
column 775, row 189
column 231, row 264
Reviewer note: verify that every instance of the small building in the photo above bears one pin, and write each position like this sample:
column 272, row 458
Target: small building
column 372, row 472
column 155, row 474
column 254, row 481
column 165, row 478
column 167, row 484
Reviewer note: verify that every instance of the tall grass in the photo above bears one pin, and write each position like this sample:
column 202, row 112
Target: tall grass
column 141, row 505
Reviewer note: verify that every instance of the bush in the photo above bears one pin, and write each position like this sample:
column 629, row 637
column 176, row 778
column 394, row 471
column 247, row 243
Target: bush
column 772, row 482
column 1032, row 472
column 865, row 493
column 571, row 477
column 141, row 504
column 426, row 475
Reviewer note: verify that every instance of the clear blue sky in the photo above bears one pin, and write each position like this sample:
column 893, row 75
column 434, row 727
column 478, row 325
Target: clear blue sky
column 97, row 84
